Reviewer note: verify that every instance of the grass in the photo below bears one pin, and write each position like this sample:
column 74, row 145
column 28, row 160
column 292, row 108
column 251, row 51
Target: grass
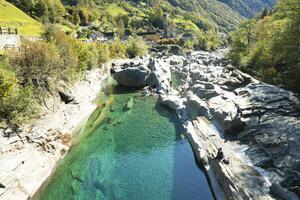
column 185, row 25
column 115, row 10
column 10, row 16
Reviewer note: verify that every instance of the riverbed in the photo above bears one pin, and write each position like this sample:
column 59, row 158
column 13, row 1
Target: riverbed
column 128, row 151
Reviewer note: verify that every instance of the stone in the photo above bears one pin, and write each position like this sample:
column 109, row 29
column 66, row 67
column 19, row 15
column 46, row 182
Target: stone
column 204, row 91
column 152, row 80
column 2, row 186
column 171, row 101
column 128, row 106
column 132, row 77
column 226, row 114
column 196, row 107
column 66, row 97
column 175, row 49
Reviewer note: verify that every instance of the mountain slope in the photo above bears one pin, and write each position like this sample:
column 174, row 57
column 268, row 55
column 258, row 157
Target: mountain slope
column 248, row 8
column 10, row 16
column 221, row 14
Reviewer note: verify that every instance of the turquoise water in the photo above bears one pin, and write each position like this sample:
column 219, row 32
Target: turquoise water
column 136, row 154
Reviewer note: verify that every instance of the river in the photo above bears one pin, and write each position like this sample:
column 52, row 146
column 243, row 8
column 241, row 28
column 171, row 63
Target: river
column 130, row 154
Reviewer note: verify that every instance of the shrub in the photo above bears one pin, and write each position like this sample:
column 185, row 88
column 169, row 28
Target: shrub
column 19, row 107
column 188, row 44
column 136, row 47
column 8, row 82
column 103, row 53
column 87, row 56
column 117, row 49
column 17, row 104
column 35, row 62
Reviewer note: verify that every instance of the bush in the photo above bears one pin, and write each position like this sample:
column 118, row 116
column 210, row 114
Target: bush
column 20, row 107
column 117, row 49
column 35, row 62
column 103, row 53
column 136, row 47
column 8, row 82
column 17, row 104
column 87, row 56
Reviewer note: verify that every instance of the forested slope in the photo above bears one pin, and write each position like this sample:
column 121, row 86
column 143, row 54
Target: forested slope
column 268, row 46
column 249, row 8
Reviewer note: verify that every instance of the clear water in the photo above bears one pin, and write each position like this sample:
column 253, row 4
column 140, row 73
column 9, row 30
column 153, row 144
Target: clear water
column 138, row 154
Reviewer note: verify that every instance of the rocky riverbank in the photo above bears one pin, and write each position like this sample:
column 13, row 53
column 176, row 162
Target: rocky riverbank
column 257, row 125
column 29, row 154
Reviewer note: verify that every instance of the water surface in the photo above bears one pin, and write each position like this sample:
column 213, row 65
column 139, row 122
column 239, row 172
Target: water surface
column 129, row 154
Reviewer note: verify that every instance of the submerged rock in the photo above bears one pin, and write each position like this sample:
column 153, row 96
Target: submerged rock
column 128, row 106
column 76, row 175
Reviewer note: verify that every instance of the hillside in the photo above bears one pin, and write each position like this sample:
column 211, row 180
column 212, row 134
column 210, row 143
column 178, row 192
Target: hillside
column 10, row 16
column 221, row 14
column 248, row 8
column 268, row 47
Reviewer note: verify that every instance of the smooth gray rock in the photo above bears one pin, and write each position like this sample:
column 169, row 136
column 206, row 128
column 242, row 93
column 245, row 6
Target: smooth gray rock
column 171, row 101
column 132, row 77
column 196, row 107
column 226, row 114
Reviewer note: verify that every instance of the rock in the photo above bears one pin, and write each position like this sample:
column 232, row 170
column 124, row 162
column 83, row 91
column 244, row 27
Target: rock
column 171, row 101
column 128, row 106
column 8, row 132
column 292, row 182
column 66, row 97
column 282, row 193
column 132, row 77
column 162, row 48
column 160, row 76
column 2, row 186
column 196, row 107
column 152, row 80
column 204, row 91
column 258, row 156
column 175, row 49
column 226, row 114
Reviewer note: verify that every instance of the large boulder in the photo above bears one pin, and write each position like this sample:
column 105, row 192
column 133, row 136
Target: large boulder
column 160, row 76
column 226, row 114
column 196, row 107
column 171, row 101
column 132, row 77
column 175, row 49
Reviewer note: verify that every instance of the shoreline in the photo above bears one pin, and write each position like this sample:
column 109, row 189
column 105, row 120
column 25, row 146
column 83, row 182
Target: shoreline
column 24, row 165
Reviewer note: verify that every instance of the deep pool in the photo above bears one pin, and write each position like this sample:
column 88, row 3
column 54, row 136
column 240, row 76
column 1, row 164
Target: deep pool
column 137, row 154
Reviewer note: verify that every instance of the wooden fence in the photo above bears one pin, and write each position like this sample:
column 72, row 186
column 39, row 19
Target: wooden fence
column 8, row 31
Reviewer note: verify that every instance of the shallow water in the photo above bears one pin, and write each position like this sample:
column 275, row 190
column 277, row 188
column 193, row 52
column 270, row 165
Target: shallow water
column 129, row 154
